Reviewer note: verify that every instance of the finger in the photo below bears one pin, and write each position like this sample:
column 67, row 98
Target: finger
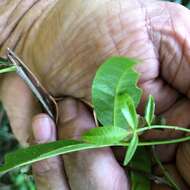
column 177, row 115
column 20, row 106
column 183, row 161
column 169, row 34
column 92, row 169
column 175, row 48
column 168, row 29
column 174, row 174
column 48, row 173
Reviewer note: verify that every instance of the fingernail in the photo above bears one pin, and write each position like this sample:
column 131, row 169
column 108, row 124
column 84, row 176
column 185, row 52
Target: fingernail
column 42, row 127
column 68, row 110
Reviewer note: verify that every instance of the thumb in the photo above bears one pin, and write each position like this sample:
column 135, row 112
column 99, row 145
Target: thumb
column 48, row 173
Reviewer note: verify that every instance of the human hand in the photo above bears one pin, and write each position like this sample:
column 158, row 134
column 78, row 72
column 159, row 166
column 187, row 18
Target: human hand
column 85, row 170
column 69, row 45
column 82, row 36
column 92, row 169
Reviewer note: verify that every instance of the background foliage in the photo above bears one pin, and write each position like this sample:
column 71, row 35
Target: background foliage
column 183, row 2
column 21, row 179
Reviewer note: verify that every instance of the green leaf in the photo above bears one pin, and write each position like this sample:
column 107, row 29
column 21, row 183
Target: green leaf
column 141, row 163
column 149, row 110
column 131, row 149
column 129, row 111
column 8, row 69
column 39, row 152
column 114, row 78
column 5, row 67
column 105, row 135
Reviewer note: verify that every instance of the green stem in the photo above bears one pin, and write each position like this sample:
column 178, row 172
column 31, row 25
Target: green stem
column 140, row 130
column 164, row 170
column 173, row 141
column 8, row 69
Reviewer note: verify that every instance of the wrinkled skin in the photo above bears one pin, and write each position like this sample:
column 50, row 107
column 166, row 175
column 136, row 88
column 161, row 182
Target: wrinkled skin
column 63, row 42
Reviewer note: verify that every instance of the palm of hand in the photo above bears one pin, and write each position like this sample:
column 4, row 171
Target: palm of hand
column 151, row 33
column 66, row 57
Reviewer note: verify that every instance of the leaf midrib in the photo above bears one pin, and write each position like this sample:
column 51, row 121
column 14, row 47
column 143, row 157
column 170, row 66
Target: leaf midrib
column 115, row 96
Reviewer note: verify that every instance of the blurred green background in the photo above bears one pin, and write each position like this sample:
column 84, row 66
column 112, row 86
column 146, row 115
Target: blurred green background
column 21, row 179
column 183, row 2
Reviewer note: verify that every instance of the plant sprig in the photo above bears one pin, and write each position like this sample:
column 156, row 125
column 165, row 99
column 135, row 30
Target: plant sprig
column 6, row 67
column 115, row 97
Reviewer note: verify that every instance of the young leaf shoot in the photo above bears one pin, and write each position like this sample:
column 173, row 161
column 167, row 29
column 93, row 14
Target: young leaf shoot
column 114, row 78
column 131, row 149
column 149, row 110
column 115, row 97
column 129, row 111
column 105, row 135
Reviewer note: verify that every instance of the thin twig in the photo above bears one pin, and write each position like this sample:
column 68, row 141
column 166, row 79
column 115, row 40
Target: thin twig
column 164, row 170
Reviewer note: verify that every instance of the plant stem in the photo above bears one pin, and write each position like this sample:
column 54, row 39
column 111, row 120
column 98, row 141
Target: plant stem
column 8, row 69
column 164, row 170
column 173, row 141
column 140, row 130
